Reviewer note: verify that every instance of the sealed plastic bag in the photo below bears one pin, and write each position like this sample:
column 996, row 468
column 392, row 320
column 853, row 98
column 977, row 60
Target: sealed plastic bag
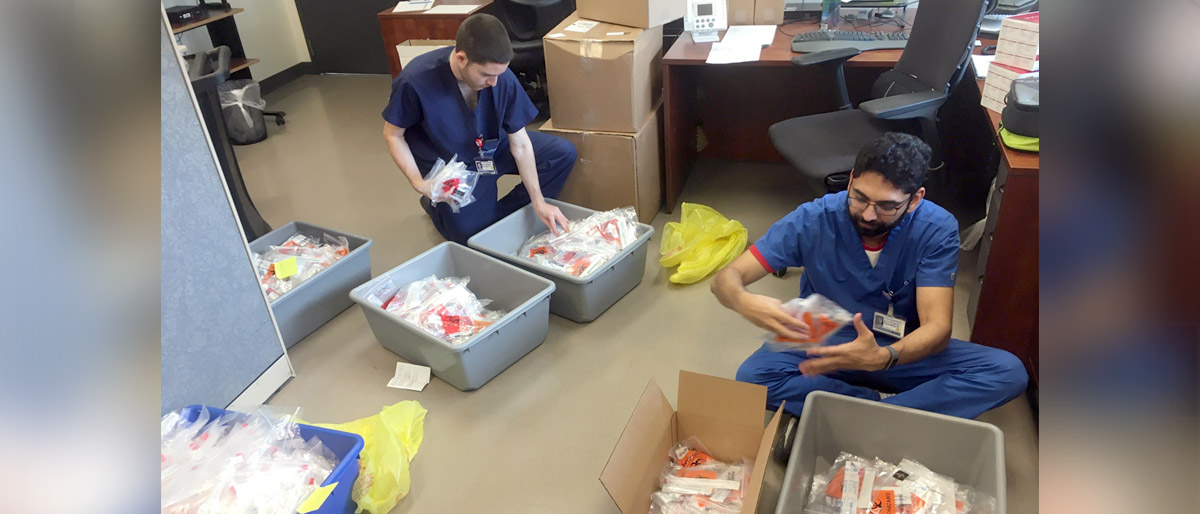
column 283, row 268
column 823, row 316
column 701, row 242
column 693, row 482
column 443, row 308
column 242, row 105
column 586, row 244
column 451, row 183
column 238, row 463
column 391, row 440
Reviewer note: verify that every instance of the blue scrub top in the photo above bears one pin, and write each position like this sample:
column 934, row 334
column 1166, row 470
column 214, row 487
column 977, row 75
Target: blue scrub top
column 921, row 251
column 427, row 103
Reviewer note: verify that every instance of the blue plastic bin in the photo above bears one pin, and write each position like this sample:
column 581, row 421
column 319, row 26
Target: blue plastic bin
column 345, row 445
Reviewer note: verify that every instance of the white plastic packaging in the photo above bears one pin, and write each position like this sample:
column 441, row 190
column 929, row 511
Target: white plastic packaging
column 823, row 316
column 452, row 183
column 586, row 244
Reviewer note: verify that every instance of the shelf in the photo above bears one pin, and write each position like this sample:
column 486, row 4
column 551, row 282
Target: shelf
column 237, row 64
column 214, row 14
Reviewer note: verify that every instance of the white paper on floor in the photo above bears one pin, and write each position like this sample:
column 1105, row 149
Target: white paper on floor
column 410, row 376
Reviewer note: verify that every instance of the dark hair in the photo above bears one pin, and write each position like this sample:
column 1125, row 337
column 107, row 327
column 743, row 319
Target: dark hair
column 902, row 159
column 484, row 39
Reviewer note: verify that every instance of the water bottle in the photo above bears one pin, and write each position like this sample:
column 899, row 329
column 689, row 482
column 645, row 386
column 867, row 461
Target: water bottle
column 830, row 14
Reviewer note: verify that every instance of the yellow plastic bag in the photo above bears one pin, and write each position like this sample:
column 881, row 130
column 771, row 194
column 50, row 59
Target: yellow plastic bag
column 391, row 439
column 701, row 242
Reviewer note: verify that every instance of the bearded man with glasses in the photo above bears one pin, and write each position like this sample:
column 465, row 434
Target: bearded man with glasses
column 885, row 253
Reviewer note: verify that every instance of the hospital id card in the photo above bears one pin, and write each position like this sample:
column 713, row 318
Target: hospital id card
column 485, row 163
column 889, row 325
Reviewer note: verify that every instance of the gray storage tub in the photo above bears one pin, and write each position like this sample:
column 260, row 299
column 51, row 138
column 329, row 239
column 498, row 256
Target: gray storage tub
column 313, row 303
column 525, row 296
column 579, row 299
column 970, row 452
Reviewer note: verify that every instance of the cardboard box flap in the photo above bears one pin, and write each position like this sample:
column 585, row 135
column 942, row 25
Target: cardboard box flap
column 632, row 472
column 750, row 502
column 600, row 32
column 740, row 403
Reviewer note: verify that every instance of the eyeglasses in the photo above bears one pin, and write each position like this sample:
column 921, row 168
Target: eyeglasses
column 881, row 208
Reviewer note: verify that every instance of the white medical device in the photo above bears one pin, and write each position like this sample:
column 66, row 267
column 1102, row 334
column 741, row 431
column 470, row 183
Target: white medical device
column 704, row 18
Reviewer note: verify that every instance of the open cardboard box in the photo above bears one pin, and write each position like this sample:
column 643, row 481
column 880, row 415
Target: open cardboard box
column 726, row 415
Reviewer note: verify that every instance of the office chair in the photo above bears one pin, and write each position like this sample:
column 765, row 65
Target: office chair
column 527, row 22
column 905, row 99
column 206, row 71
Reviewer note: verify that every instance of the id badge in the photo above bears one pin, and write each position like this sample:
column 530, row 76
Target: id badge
column 485, row 163
column 888, row 324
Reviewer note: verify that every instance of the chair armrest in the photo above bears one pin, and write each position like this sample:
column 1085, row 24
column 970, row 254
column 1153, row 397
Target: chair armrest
column 837, row 56
column 922, row 104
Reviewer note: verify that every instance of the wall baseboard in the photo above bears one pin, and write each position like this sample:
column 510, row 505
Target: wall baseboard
column 264, row 387
column 280, row 79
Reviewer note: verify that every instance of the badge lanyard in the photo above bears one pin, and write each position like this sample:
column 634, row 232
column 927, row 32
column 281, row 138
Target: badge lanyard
column 889, row 323
column 484, row 163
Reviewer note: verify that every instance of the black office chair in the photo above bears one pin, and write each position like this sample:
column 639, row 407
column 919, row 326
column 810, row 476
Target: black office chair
column 527, row 22
column 905, row 98
column 206, row 71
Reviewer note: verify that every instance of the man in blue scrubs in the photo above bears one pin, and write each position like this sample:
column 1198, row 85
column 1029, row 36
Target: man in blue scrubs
column 883, row 252
column 465, row 102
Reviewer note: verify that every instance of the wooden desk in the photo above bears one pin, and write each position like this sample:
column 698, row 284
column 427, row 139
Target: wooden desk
column 742, row 100
column 400, row 27
column 1004, row 312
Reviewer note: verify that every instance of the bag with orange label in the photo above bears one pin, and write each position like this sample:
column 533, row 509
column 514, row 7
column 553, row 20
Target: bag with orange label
column 823, row 317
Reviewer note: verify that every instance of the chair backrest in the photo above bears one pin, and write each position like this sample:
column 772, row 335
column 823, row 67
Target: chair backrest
column 938, row 48
column 530, row 20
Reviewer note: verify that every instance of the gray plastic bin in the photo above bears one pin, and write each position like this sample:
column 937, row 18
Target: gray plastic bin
column 575, row 298
column 313, row 303
column 472, row 364
column 970, row 452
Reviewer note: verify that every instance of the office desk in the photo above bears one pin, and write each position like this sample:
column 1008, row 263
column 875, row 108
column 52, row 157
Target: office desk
column 734, row 104
column 400, row 27
column 1004, row 311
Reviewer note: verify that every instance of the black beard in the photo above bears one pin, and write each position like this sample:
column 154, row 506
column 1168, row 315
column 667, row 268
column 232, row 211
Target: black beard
column 878, row 230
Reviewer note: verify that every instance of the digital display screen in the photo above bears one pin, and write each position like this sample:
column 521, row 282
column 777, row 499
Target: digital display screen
column 704, row 9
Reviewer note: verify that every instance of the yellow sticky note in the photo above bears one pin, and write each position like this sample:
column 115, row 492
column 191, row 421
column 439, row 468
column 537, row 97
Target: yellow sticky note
column 317, row 498
column 285, row 268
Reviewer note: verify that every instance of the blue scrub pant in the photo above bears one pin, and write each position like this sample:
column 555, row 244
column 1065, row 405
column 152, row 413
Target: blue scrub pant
column 555, row 158
column 964, row 380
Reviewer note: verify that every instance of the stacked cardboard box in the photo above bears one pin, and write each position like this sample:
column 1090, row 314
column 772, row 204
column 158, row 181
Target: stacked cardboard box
column 605, row 85
column 1016, row 57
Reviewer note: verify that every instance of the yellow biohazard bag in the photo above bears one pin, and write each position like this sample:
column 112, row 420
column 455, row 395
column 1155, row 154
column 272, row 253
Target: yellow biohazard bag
column 701, row 242
column 391, row 439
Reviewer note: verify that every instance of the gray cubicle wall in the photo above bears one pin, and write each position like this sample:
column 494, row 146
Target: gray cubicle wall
column 217, row 332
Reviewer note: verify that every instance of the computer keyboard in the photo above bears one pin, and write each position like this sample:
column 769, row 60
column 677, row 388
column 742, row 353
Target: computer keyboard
column 821, row 40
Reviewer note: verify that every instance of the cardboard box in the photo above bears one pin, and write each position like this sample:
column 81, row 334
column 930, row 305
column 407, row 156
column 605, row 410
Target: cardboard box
column 615, row 169
column 999, row 80
column 740, row 12
column 1017, row 45
column 768, row 12
column 605, row 78
column 632, row 13
column 410, row 49
column 725, row 415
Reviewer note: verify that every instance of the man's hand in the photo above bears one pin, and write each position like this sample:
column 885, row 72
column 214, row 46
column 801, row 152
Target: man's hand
column 863, row 353
column 422, row 186
column 768, row 313
column 552, row 216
